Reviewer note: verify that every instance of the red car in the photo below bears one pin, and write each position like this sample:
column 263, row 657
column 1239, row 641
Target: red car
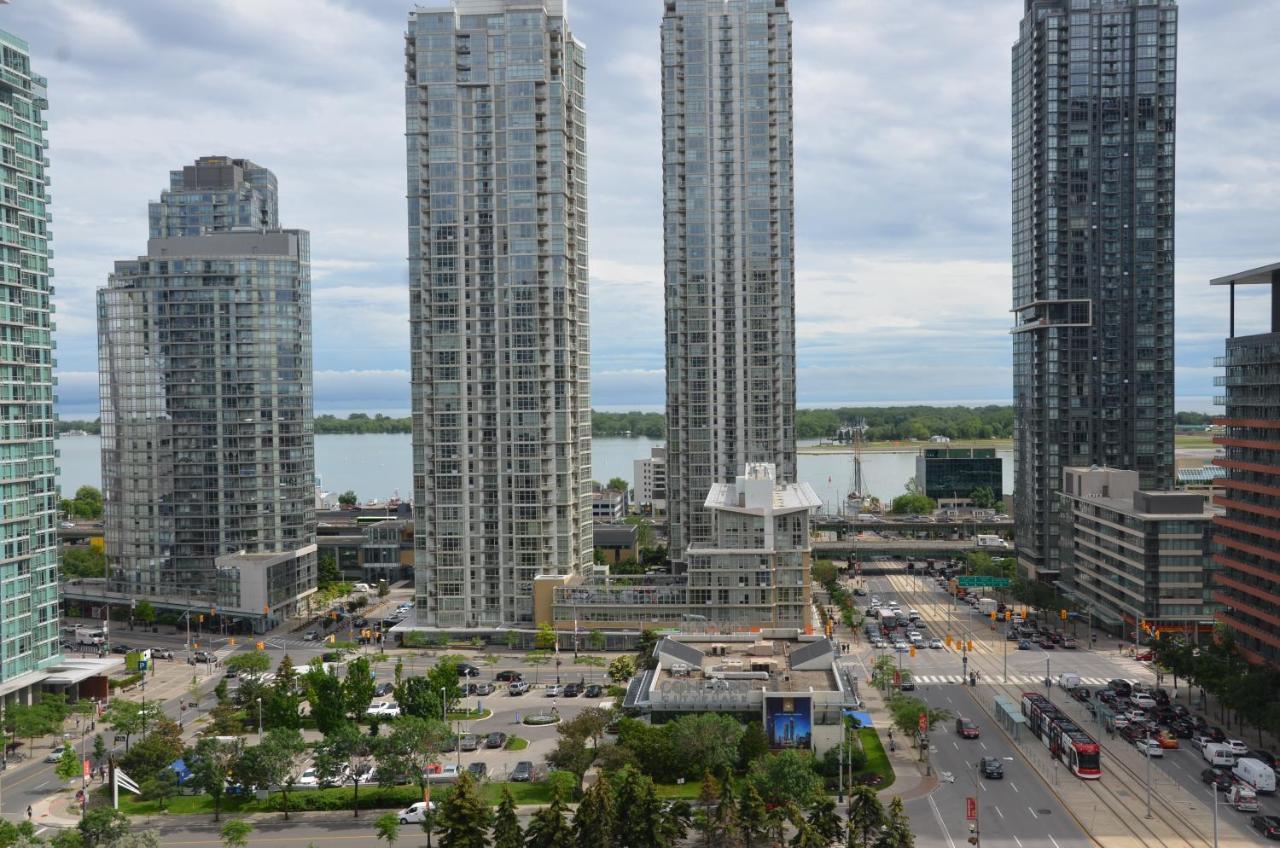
column 966, row 728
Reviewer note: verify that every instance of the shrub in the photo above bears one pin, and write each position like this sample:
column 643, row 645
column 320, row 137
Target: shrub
column 126, row 681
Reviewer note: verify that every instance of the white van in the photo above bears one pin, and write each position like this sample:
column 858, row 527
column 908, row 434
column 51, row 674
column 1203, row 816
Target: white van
column 1069, row 681
column 360, row 587
column 1217, row 754
column 1256, row 773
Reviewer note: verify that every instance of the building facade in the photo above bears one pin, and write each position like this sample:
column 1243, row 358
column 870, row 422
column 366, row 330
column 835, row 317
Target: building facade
column 1134, row 558
column 1094, row 85
column 205, row 378
column 28, row 491
column 729, row 239
column 651, row 481
column 498, row 311
column 951, row 475
column 1248, row 532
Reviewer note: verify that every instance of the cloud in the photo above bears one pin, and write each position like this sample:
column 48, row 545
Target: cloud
column 902, row 176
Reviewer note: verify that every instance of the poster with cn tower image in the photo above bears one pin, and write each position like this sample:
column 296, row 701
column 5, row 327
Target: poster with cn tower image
column 788, row 720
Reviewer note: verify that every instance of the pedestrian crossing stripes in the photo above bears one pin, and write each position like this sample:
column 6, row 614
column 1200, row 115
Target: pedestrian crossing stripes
column 1014, row 679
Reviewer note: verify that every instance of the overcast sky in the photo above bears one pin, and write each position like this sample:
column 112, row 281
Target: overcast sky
column 902, row 178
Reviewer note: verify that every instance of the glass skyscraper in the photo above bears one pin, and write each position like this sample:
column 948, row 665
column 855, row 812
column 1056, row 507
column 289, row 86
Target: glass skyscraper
column 205, row 368
column 729, row 236
column 1094, row 85
column 28, row 493
column 500, row 349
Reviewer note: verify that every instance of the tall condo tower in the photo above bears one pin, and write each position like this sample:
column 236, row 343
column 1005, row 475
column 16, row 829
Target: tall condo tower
column 729, row 229
column 29, row 566
column 498, row 311
column 1093, row 182
column 205, row 370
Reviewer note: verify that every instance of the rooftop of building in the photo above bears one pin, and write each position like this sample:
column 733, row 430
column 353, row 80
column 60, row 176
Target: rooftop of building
column 757, row 491
column 1252, row 277
column 772, row 664
column 1117, row 490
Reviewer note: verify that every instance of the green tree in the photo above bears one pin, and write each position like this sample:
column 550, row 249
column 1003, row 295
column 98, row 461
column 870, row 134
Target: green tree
column 548, row 827
column 443, row 677
column 383, row 589
column 325, row 697
column 387, row 828
column 327, row 571
column 160, row 785
column 416, row 697
column 825, row 819
column 652, row 746
column 596, row 640
column 906, row 712
column 644, row 530
column 588, row 724
column 281, row 701
column 251, row 662
column 706, row 820
column 622, row 669
column 753, row 820
column 506, row 825
column 129, row 717
column 707, row 742
column 753, row 745
column 235, row 833
column 983, row 497
column 99, row 748
column 912, row 504
column 593, row 823
column 87, row 503
column 357, row 687
column 786, row 777
column 68, row 766
column 866, row 816
column 103, row 826
column 145, row 612
column 79, row 561
column 617, row 484
column 211, row 763
column 348, row 499
column 572, row 755
column 546, row 637
column 897, row 828
column 345, row 754
column 464, row 817
column 279, row 761
column 411, row 747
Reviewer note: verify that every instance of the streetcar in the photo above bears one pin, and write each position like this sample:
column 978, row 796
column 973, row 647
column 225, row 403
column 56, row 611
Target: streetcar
column 1065, row 739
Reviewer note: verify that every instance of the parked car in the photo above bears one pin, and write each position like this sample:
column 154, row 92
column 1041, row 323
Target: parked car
column 508, row 677
column 416, row 813
column 478, row 770
column 383, row 709
column 161, row 654
column 991, row 768
column 523, row 772
column 573, row 690
column 517, row 688
column 554, row 690
column 481, row 689
column 497, row 739
column 468, row 670
column 593, row 690
column 308, row 778
column 1268, row 826
column 468, row 742
column 120, row 648
column 382, row 690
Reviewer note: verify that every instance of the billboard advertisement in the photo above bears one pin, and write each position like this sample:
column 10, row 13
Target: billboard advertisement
column 788, row 720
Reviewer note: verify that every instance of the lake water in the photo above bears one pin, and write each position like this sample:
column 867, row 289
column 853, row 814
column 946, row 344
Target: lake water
column 382, row 466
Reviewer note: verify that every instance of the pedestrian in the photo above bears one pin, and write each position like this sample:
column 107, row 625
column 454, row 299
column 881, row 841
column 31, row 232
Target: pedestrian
column 28, row 812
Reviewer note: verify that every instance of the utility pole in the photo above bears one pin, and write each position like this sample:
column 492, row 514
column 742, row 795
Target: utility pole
column 1147, row 751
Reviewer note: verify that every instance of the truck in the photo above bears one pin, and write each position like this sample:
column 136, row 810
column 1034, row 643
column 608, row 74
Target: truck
column 1068, row 681
column 986, row 606
column 1218, row 754
column 888, row 618
column 1243, row 799
column 990, row 541
column 90, row 636
column 1256, row 774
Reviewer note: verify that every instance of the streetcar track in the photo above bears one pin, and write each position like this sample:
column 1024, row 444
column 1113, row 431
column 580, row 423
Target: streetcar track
column 1100, row 788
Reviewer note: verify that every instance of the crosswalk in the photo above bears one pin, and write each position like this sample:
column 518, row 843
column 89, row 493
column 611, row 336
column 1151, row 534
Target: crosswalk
column 1014, row 679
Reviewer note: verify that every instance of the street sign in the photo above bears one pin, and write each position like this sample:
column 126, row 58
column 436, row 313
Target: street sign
column 923, row 723
column 971, row 808
column 972, row 581
column 897, row 679
column 86, row 769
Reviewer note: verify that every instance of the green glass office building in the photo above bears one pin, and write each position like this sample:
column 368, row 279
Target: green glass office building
column 28, row 493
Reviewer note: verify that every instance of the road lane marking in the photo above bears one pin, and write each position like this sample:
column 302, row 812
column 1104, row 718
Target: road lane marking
column 1033, row 813
column 1014, row 785
column 998, row 813
column 937, row 815
column 1054, row 841
column 983, row 786
column 983, row 744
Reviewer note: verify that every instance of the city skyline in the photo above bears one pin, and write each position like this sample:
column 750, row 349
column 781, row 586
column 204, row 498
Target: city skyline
column 868, row 255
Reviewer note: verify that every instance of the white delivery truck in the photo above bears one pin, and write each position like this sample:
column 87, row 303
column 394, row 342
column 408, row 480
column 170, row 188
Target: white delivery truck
column 1217, row 754
column 1068, row 681
column 1256, row 773
column 1243, row 799
column 89, row 636
column 986, row 606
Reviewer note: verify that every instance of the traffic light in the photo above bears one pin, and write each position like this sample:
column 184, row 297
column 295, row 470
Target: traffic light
column 970, row 645
column 993, row 615
column 232, row 641
column 261, row 646
column 1008, row 614
column 1062, row 614
column 200, row 618
column 913, row 650
column 948, row 640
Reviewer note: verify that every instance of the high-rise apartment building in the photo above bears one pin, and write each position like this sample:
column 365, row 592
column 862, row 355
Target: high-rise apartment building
column 498, row 312
column 1248, row 533
column 1093, row 184
column 729, row 230
column 28, row 489
column 205, row 375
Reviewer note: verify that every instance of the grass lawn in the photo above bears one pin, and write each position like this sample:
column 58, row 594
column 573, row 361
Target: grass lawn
column 517, row 743
column 689, row 790
column 877, row 759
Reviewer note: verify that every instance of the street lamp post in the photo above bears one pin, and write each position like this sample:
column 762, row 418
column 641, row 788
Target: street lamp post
column 1147, row 751
column 259, row 721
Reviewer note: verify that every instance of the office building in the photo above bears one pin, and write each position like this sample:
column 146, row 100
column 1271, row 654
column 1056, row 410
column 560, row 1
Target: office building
column 1134, row 558
column 1093, row 253
column 651, row 481
column 951, row 475
column 729, row 251
column 498, row 312
column 608, row 506
column 1248, row 532
column 205, row 370
column 753, row 571
column 29, row 567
